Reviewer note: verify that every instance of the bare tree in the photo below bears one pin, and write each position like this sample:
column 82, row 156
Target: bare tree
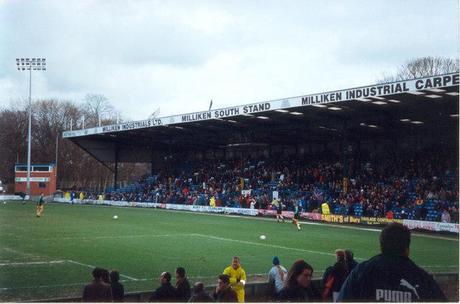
column 13, row 140
column 423, row 67
column 76, row 168
column 97, row 107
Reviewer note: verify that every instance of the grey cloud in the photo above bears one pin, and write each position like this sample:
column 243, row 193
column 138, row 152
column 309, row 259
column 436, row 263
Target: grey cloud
column 138, row 52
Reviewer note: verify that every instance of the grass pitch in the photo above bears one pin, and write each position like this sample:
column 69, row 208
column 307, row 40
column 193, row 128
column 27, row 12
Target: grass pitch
column 53, row 256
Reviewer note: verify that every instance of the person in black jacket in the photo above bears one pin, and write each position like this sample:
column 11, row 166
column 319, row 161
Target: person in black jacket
column 391, row 276
column 166, row 292
column 118, row 291
column 182, row 285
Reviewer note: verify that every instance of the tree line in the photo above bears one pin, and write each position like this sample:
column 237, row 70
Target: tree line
column 50, row 117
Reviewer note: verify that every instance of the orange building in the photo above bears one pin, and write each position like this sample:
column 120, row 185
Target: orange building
column 42, row 179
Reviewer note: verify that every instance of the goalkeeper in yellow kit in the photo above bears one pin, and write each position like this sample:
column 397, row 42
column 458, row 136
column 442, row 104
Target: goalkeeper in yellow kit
column 237, row 277
column 40, row 205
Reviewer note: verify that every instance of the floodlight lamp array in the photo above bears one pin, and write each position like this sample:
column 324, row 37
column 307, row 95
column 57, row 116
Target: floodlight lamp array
column 26, row 64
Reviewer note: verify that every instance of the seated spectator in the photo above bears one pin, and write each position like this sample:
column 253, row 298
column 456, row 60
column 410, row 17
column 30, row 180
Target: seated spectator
column 97, row 290
column 334, row 277
column 118, row 291
column 297, row 282
column 166, row 292
column 391, row 276
column 223, row 292
column 276, row 277
column 182, row 285
column 199, row 294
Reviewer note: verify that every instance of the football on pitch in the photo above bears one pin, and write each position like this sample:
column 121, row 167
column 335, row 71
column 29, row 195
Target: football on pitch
column 115, row 217
column 262, row 237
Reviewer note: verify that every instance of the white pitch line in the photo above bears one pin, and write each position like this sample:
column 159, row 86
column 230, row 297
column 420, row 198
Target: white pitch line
column 43, row 286
column 434, row 237
column 261, row 244
column 92, row 267
column 115, row 237
column 31, row 263
column 19, row 252
column 81, row 264
column 128, row 277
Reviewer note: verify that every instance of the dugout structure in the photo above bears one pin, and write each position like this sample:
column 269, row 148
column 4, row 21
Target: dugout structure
column 42, row 179
column 404, row 114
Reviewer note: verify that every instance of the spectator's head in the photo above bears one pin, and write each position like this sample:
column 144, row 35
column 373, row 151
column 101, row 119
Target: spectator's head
column 97, row 273
column 348, row 255
column 340, row 255
column 165, row 277
column 114, row 276
column 276, row 261
column 395, row 240
column 198, row 287
column 223, row 281
column 180, row 272
column 235, row 262
column 300, row 274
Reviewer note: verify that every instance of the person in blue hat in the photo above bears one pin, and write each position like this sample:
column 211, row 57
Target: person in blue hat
column 277, row 276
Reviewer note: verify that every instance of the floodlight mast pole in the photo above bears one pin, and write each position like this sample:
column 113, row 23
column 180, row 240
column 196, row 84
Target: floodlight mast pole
column 29, row 64
column 29, row 132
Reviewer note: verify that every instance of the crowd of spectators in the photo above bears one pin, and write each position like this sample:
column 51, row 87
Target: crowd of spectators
column 422, row 186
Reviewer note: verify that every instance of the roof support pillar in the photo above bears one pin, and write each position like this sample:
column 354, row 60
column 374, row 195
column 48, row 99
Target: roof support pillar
column 115, row 172
column 345, row 150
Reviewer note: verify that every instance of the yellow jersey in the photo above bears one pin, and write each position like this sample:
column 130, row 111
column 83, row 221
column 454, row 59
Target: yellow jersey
column 234, row 275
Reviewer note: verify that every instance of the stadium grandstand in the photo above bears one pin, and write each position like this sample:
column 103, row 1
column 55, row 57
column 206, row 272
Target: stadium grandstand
column 383, row 151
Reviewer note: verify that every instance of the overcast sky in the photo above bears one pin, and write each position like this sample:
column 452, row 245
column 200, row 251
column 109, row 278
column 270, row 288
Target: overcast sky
column 178, row 55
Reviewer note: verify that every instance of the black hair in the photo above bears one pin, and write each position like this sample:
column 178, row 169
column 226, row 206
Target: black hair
column 225, row 278
column 114, row 276
column 395, row 239
column 98, row 272
column 180, row 271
